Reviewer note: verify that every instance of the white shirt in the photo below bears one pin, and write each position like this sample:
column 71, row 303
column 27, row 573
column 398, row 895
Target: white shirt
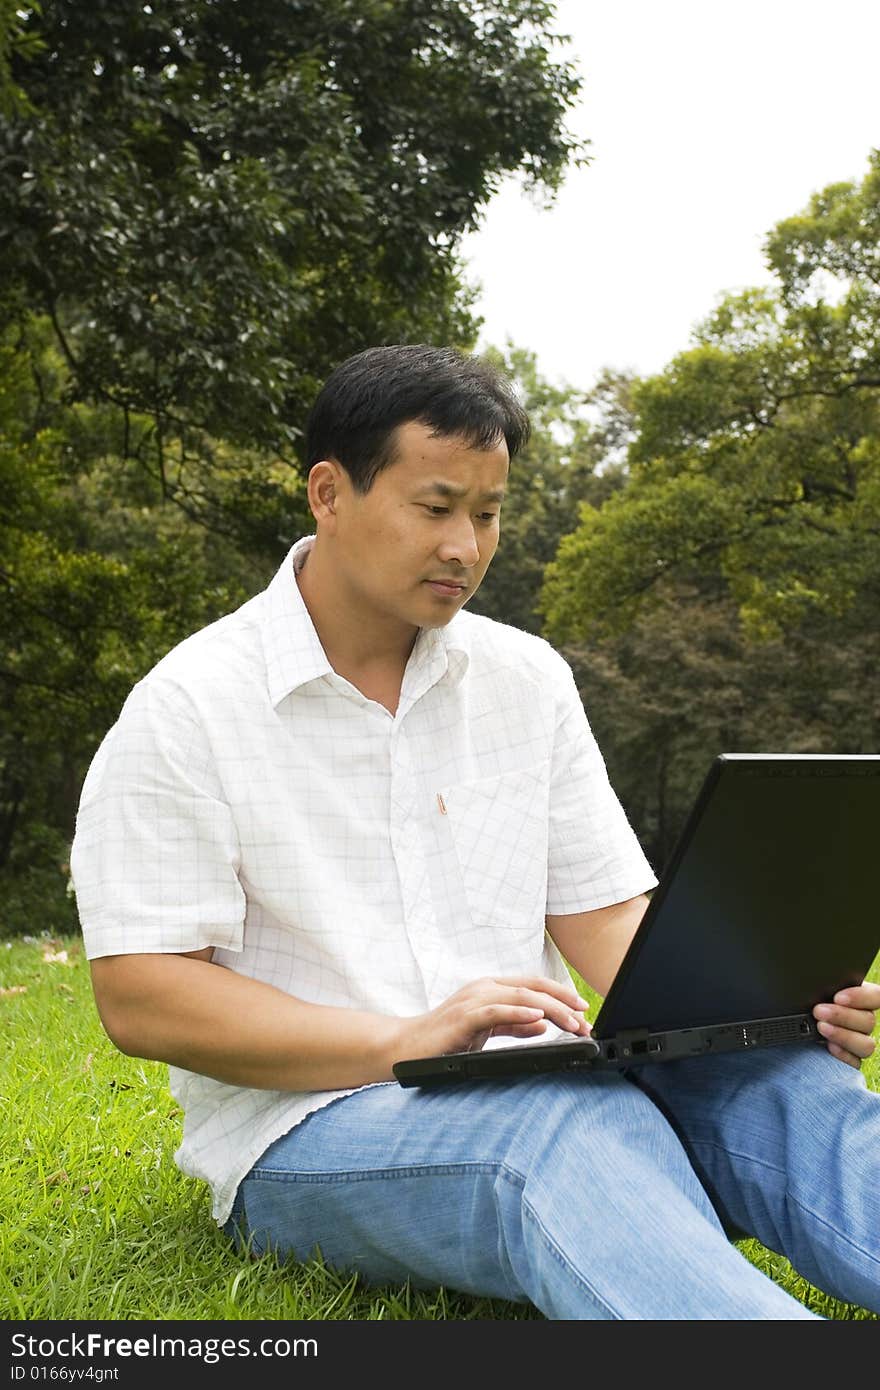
column 250, row 799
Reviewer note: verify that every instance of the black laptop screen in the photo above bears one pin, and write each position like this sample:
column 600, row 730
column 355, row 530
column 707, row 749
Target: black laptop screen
column 770, row 902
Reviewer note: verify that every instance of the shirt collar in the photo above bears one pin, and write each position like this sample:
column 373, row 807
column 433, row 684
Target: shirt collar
column 293, row 651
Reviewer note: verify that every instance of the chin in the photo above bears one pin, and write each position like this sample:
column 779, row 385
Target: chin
column 435, row 622
column 433, row 618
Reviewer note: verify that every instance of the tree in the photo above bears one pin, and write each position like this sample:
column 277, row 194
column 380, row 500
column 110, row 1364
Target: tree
column 573, row 454
column 218, row 202
column 98, row 579
column 684, row 682
column 727, row 597
column 204, row 206
column 756, row 467
column 15, row 42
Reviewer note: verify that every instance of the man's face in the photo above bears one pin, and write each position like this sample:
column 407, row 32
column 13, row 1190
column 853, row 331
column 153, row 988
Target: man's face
column 416, row 546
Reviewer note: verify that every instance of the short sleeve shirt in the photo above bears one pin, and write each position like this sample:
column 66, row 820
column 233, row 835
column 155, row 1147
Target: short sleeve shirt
column 251, row 799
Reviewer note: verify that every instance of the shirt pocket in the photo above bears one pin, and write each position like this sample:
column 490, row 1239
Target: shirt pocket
column 499, row 828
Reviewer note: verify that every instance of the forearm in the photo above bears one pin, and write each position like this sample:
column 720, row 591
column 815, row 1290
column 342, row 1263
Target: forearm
column 596, row 942
column 205, row 1018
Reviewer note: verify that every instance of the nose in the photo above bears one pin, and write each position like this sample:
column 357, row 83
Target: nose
column 459, row 543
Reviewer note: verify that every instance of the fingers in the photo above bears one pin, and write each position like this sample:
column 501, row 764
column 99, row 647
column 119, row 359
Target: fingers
column 500, row 1004
column 562, row 1006
column 843, row 1055
column 542, row 986
column 857, row 1020
column 524, row 1030
column 846, row 1031
column 857, row 1041
column 542, row 983
column 863, row 996
column 847, row 1023
column 501, row 1015
column 532, row 1030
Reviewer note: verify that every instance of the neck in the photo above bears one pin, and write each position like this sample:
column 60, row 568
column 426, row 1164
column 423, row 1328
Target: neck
column 361, row 644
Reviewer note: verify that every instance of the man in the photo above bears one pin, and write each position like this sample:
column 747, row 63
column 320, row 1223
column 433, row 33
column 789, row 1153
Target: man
column 350, row 823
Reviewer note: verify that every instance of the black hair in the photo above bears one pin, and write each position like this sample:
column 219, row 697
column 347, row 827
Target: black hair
column 368, row 395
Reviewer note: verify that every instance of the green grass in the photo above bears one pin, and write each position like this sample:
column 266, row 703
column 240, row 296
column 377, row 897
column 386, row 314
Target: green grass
column 96, row 1222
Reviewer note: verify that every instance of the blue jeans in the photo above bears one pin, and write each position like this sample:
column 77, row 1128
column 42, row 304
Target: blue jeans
column 603, row 1196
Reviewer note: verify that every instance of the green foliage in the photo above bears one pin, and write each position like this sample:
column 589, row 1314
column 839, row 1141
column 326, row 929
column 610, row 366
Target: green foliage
column 756, row 467
column 838, row 236
column 218, row 202
column 204, row 207
column 684, row 682
column 99, row 578
column 17, row 41
column 573, row 454
column 726, row 597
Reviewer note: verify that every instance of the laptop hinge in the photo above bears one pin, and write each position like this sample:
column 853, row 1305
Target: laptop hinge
column 635, row 1042
column 627, row 1035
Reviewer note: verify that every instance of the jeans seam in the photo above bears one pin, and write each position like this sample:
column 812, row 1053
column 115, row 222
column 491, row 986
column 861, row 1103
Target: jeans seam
column 562, row 1259
column 369, row 1174
column 780, row 1172
column 847, row 1240
column 493, row 1169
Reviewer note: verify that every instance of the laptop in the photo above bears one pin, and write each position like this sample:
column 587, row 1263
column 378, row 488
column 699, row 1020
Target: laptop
column 767, row 907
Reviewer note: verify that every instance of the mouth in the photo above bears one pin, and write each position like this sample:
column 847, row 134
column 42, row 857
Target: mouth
column 447, row 588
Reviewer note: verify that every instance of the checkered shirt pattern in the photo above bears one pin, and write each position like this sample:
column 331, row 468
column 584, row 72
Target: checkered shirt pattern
column 251, row 799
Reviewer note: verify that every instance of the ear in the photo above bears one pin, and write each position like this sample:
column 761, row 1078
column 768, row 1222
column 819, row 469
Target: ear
column 323, row 488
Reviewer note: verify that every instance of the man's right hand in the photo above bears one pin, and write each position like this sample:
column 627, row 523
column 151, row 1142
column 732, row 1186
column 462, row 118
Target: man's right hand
column 518, row 1006
column 190, row 1012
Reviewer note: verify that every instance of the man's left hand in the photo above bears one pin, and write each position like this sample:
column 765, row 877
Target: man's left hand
column 848, row 1022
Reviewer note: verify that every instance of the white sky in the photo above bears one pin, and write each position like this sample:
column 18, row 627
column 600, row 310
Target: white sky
column 709, row 123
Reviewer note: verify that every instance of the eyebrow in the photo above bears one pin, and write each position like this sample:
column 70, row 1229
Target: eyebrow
column 447, row 490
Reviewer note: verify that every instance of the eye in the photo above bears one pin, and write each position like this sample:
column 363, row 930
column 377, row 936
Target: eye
column 436, row 511
column 488, row 517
